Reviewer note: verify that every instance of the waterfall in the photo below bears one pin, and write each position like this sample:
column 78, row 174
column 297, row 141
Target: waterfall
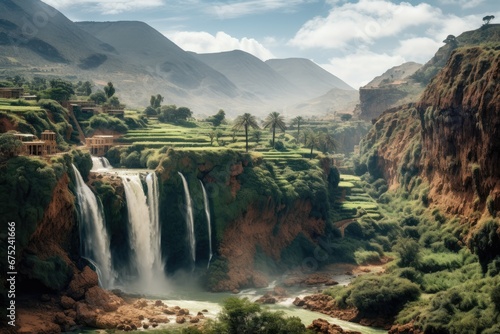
column 154, row 215
column 189, row 219
column 100, row 163
column 93, row 234
column 209, row 224
column 144, row 227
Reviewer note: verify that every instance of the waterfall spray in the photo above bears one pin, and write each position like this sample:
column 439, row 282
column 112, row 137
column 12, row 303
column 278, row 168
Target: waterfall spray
column 209, row 224
column 93, row 234
column 144, row 230
column 189, row 219
column 155, row 231
column 100, row 163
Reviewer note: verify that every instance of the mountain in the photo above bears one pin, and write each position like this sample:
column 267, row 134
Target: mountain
column 251, row 74
column 33, row 34
column 309, row 77
column 394, row 75
column 375, row 100
column 334, row 101
column 37, row 40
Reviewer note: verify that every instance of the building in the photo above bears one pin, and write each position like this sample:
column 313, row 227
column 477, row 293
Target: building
column 100, row 144
column 34, row 146
column 11, row 93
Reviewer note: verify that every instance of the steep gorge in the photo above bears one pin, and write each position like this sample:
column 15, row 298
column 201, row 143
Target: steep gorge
column 449, row 138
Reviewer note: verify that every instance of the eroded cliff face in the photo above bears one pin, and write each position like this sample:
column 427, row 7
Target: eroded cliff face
column 460, row 117
column 450, row 138
column 266, row 229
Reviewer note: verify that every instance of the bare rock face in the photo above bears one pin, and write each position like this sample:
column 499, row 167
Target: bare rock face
column 86, row 315
column 81, row 283
column 324, row 327
column 99, row 298
column 67, row 302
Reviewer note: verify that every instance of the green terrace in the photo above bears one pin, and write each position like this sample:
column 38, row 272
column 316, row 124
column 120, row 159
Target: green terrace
column 352, row 198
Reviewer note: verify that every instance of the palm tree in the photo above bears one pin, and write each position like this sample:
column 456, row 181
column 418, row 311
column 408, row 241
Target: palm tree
column 246, row 120
column 312, row 140
column 328, row 143
column 275, row 120
column 298, row 120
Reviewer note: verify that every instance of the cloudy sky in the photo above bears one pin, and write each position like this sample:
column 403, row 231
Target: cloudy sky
column 354, row 39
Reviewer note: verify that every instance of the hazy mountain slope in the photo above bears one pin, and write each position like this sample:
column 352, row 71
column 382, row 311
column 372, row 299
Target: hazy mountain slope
column 141, row 45
column 335, row 101
column 251, row 74
column 309, row 77
column 32, row 32
column 395, row 75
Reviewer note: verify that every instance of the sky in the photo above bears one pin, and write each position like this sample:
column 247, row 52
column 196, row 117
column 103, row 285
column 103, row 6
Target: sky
column 356, row 40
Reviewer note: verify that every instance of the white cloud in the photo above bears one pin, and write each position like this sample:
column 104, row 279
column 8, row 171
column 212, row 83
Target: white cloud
column 203, row 42
column 107, row 6
column 237, row 9
column 361, row 67
column 418, row 49
column 364, row 22
column 463, row 3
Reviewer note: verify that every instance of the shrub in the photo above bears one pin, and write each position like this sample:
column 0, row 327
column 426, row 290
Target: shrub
column 366, row 257
column 409, row 252
column 368, row 293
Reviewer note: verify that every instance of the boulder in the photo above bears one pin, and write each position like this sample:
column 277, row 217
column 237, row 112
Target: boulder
column 99, row 298
column 85, row 315
column 194, row 320
column 180, row 319
column 67, row 302
column 298, row 302
column 81, row 283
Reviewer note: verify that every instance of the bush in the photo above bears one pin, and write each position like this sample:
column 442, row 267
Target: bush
column 409, row 252
column 368, row 293
column 366, row 257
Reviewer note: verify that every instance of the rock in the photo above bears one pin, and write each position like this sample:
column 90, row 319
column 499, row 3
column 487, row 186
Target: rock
column 141, row 303
column 180, row 319
column 331, row 282
column 298, row 302
column 154, row 325
column 235, row 291
column 204, row 311
column 168, row 311
column 160, row 319
column 81, row 282
column 280, row 291
column 67, row 302
column 99, row 298
column 85, row 315
column 70, row 313
column 324, row 327
column 194, row 320
column 182, row 311
column 266, row 299
column 145, row 325
column 141, row 317
column 200, row 315
column 159, row 303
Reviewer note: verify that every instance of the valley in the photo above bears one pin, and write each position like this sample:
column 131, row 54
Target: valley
column 231, row 195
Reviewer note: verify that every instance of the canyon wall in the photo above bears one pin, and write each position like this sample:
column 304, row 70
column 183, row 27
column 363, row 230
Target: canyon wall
column 449, row 138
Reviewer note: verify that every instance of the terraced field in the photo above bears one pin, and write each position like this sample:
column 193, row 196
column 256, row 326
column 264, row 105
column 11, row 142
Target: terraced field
column 353, row 201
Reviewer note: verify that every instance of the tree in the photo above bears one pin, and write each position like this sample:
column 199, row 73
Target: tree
column 212, row 135
column 451, row 39
column 298, row 121
column 172, row 114
column 345, row 117
column 257, row 136
column 60, row 90
column 84, row 88
column 155, row 101
column 275, row 120
column 114, row 102
column 218, row 118
column 98, row 97
column 109, row 90
column 327, row 142
column 312, row 141
column 246, row 120
column 487, row 19
column 409, row 252
column 10, row 146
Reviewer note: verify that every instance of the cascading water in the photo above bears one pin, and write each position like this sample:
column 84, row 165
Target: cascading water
column 144, row 236
column 100, row 163
column 209, row 224
column 154, row 215
column 189, row 219
column 93, row 234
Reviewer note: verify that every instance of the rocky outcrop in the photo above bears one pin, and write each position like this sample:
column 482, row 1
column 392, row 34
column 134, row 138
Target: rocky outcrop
column 460, row 118
column 374, row 101
column 324, row 327
column 449, row 138
column 257, row 228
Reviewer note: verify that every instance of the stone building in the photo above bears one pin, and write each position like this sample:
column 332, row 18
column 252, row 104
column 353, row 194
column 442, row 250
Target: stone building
column 11, row 93
column 34, row 146
column 100, row 144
